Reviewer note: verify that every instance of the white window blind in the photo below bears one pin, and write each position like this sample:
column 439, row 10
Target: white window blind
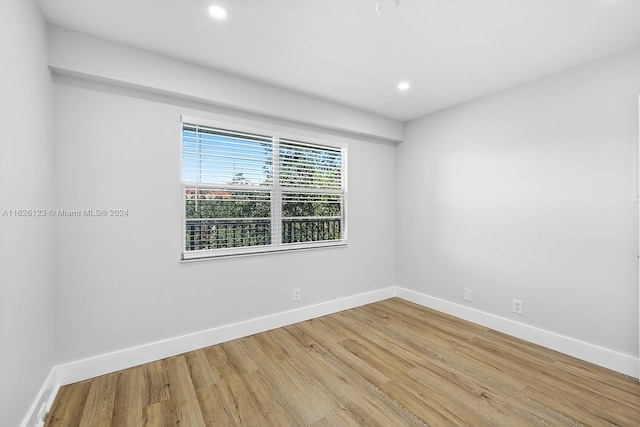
column 250, row 193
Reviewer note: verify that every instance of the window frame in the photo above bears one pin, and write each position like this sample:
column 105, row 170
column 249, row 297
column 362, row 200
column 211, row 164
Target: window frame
column 276, row 132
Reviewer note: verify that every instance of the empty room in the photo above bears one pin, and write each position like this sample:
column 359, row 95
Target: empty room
column 319, row 213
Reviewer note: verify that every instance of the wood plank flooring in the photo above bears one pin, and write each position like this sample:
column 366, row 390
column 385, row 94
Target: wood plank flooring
column 391, row 363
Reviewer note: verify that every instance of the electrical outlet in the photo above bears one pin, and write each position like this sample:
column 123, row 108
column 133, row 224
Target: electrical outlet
column 468, row 294
column 296, row 294
column 517, row 306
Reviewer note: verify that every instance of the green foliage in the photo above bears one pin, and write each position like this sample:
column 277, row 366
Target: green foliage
column 310, row 205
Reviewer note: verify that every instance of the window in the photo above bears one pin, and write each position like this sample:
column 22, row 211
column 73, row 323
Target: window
column 253, row 192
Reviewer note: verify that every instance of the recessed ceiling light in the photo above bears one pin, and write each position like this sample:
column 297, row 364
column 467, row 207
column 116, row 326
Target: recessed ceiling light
column 404, row 86
column 217, row 12
column 384, row 7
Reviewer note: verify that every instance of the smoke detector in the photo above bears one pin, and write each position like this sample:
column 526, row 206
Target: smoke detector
column 385, row 7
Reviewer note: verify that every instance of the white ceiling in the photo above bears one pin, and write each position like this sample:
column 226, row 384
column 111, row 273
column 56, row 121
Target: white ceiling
column 342, row 50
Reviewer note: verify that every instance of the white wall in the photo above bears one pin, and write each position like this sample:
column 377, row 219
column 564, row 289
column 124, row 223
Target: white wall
column 530, row 194
column 120, row 283
column 26, row 182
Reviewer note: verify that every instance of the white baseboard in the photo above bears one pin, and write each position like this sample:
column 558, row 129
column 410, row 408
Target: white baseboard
column 115, row 361
column 601, row 356
column 45, row 399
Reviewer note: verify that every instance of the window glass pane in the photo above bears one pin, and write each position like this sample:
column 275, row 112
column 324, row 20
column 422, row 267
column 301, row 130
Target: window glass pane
column 204, row 234
column 308, row 166
column 299, row 230
column 216, row 156
column 218, row 218
column 311, row 217
column 312, row 205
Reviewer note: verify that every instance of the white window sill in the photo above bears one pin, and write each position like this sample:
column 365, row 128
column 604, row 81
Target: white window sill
column 210, row 254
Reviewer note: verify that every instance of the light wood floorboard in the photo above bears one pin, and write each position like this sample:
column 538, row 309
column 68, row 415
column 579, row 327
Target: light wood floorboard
column 391, row 363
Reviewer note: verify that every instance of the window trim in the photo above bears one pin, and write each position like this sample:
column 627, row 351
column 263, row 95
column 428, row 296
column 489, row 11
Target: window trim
column 280, row 132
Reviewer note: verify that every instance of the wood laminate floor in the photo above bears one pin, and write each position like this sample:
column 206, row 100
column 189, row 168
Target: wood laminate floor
column 391, row 363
